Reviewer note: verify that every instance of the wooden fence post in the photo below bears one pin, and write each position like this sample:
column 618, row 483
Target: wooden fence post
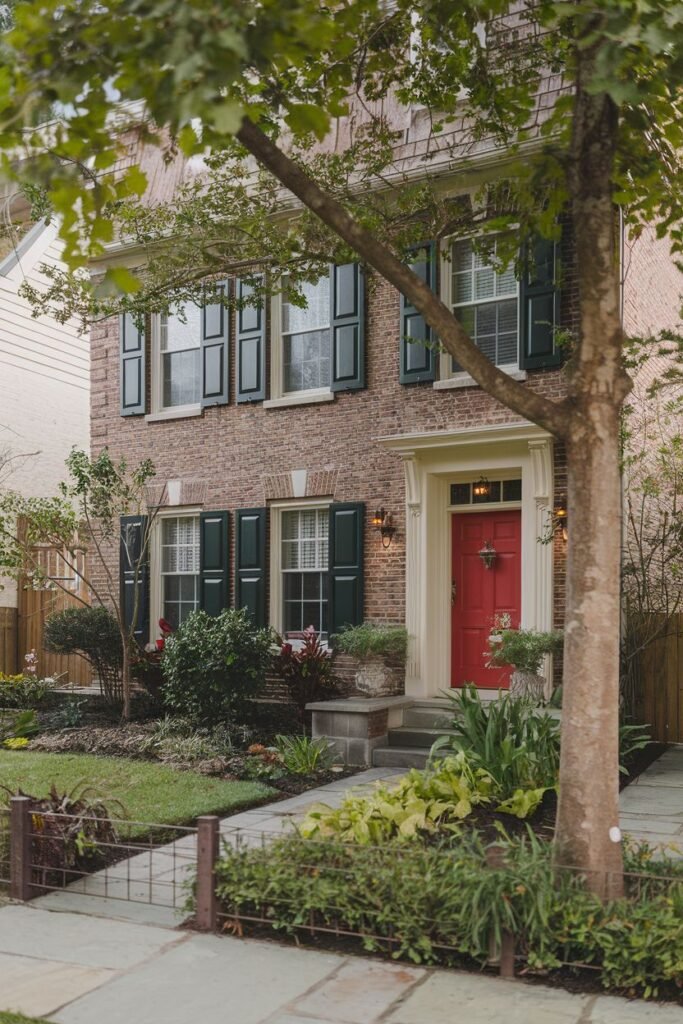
column 207, row 854
column 504, row 954
column 20, row 848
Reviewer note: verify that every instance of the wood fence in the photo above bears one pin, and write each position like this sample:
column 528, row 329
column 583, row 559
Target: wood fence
column 41, row 599
column 660, row 700
column 8, row 640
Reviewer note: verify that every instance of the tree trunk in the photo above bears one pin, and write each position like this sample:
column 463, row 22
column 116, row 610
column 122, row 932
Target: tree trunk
column 125, row 679
column 586, row 835
column 588, row 807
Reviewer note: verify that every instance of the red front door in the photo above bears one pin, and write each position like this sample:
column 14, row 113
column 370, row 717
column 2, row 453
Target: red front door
column 478, row 593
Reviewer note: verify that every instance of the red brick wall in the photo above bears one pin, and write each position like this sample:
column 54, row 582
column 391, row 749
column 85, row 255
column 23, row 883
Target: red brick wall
column 236, row 450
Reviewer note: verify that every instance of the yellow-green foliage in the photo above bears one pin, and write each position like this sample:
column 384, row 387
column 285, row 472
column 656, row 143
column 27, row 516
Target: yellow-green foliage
column 423, row 802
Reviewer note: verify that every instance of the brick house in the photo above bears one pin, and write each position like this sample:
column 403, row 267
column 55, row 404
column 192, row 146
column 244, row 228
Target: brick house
column 278, row 433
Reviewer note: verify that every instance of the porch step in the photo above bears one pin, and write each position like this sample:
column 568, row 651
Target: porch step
column 422, row 717
column 412, row 736
column 399, row 757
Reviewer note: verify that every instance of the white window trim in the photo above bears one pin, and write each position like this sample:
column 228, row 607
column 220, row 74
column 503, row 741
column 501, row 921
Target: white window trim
column 279, row 398
column 276, row 618
column 155, row 598
column 462, row 379
column 159, row 410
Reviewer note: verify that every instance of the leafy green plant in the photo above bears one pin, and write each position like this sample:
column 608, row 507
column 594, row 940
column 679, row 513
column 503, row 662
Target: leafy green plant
column 92, row 633
column 524, row 649
column 373, row 640
column 302, row 755
column 70, row 714
column 214, row 665
column 306, row 669
column 433, row 903
column 70, row 830
column 517, row 743
column 422, row 803
column 632, row 737
column 18, row 726
column 24, row 691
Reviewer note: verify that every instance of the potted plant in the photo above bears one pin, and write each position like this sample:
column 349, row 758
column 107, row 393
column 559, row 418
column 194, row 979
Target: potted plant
column 524, row 650
column 380, row 650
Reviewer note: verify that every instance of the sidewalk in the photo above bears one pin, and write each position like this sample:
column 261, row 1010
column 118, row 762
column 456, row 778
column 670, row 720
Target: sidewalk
column 148, row 888
column 652, row 806
column 77, row 969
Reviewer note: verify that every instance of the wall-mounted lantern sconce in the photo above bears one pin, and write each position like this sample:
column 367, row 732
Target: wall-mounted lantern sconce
column 382, row 521
column 560, row 517
column 481, row 488
column 488, row 555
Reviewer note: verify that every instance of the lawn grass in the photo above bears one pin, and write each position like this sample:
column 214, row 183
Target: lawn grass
column 149, row 792
column 18, row 1018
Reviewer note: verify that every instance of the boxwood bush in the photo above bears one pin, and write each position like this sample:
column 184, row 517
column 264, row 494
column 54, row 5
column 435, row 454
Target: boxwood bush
column 214, row 666
column 436, row 904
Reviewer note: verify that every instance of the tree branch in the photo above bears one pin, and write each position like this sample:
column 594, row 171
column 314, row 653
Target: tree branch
column 552, row 416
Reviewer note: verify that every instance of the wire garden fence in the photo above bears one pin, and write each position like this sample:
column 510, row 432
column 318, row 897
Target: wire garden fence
column 183, row 867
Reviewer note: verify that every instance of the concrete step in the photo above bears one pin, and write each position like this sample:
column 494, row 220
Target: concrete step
column 410, row 736
column 399, row 757
column 427, row 717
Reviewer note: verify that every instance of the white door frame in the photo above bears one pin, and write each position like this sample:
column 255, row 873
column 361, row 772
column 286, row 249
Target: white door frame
column 432, row 461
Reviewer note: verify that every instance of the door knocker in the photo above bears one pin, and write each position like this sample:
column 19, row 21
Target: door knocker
column 488, row 554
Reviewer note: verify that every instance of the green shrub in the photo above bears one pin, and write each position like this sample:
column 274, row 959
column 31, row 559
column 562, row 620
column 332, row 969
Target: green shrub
column 436, row 903
column 306, row 670
column 213, row 666
column 24, row 691
column 92, row 633
column 18, row 726
column 302, row 756
column 524, row 649
column 378, row 639
column 515, row 742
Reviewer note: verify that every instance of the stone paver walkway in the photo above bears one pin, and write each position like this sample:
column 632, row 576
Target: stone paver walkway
column 149, row 887
column 652, row 806
column 75, row 969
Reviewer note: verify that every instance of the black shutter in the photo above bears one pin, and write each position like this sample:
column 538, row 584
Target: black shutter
column 132, row 366
column 214, row 549
column 539, row 308
column 133, row 541
column 214, row 344
column 251, row 348
column 346, row 566
column 347, row 292
column 250, row 562
column 418, row 361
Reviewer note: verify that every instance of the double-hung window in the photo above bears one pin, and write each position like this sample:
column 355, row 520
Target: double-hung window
column 304, row 566
column 179, row 567
column 180, row 358
column 486, row 302
column 306, row 339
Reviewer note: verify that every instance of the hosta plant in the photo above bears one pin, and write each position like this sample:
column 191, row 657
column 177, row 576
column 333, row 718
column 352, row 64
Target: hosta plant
column 423, row 803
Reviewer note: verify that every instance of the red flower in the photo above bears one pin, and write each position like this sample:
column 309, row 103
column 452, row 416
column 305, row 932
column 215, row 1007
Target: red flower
column 165, row 626
column 160, row 643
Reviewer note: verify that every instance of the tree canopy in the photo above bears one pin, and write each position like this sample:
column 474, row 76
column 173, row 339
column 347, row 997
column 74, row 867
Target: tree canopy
column 314, row 131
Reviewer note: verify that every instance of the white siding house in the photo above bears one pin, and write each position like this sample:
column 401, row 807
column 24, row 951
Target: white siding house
column 44, row 377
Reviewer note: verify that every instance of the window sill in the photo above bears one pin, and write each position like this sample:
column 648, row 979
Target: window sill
column 465, row 381
column 301, row 398
column 181, row 412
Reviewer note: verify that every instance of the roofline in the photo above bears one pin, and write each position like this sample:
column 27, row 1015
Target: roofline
column 12, row 259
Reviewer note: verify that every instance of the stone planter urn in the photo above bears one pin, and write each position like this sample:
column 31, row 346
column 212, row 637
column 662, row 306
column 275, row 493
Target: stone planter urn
column 376, row 678
column 528, row 685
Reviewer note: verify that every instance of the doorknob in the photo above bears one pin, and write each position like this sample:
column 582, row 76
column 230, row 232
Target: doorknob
column 454, row 591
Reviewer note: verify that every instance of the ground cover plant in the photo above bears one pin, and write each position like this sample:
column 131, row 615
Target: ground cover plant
column 147, row 792
column 379, row 894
